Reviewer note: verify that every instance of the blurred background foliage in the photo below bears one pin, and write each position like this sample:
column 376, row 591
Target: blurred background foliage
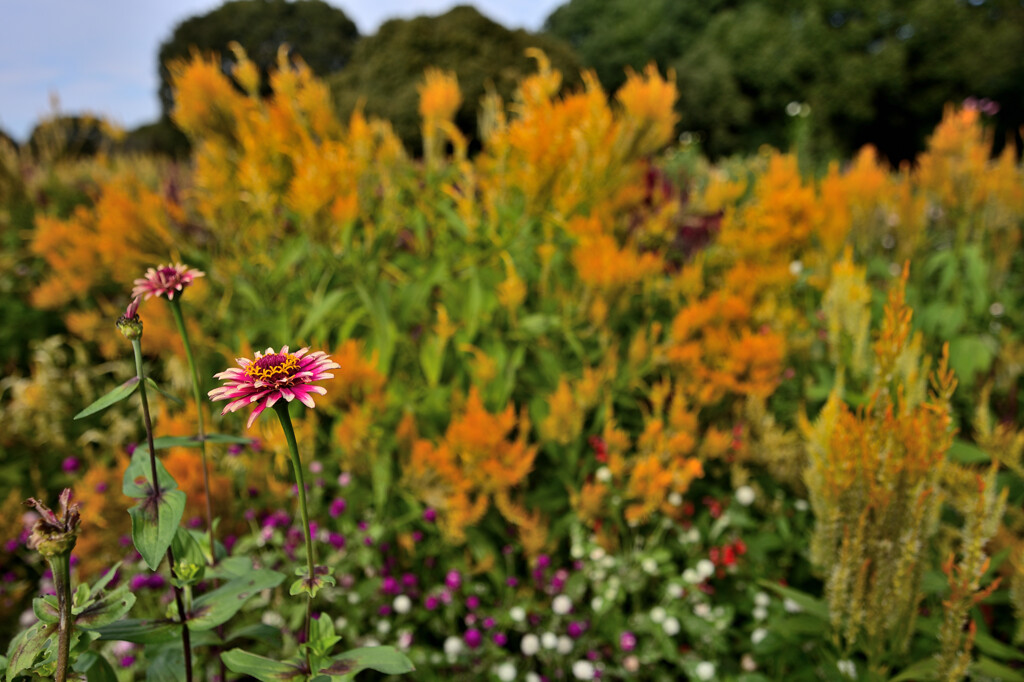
column 876, row 72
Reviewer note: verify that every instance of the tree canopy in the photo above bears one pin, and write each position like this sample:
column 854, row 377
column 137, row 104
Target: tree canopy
column 876, row 71
column 322, row 35
column 386, row 68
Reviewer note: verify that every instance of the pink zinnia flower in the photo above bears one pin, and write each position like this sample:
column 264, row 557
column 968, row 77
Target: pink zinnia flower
column 165, row 281
column 271, row 376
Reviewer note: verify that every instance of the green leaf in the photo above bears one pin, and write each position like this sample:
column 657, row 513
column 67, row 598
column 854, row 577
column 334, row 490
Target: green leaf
column 27, row 646
column 45, row 609
column 383, row 659
column 106, row 609
column 225, row 438
column 173, row 398
column 153, row 528
column 108, row 399
column 989, row 668
column 95, row 667
column 190, row 562
column 971, row 355
column 137, row 481
column 810, row 605
column 264, row 669
column 261, row 632
column 967, row 453
column 140, row 631
column 926, row 669
column 164, row 442
column 987, row 644
column 167, row 666
column 218, row 606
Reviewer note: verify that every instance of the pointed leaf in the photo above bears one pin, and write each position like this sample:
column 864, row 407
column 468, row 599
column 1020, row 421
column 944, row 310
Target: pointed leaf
column 154, row 526
column 261, row 632
column 108, row 399
column 137, row 483
column 264, row 669
column 140, row 631
column 225, row 438
column 27, row 646
column 95, row 667
column 926, row 669
column 167, row 666
column 173, row 398
column 164, row 442
column 811, row 605
column 992, row 669
column 218, row 606
column 45, row 609
column 107, row 609
column 383, row 659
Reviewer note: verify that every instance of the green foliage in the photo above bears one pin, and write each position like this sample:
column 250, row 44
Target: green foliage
column 878, row 72
column 63, row 137
column 161, row 137
column 322, row 35
column 387, row 68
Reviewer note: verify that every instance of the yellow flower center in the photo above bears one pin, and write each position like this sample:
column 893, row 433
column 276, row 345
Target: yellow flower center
column 273, row 367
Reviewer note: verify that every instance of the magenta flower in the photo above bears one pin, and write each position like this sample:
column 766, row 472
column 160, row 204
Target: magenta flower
column 165, row 281
column 271, row 376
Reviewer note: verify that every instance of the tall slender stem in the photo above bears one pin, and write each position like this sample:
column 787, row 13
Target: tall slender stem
column 289, row 433
column 61, row 567
column 196, row 393
column 141, row 374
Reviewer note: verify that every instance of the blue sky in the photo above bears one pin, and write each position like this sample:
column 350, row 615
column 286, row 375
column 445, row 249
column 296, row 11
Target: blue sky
column 100, row 56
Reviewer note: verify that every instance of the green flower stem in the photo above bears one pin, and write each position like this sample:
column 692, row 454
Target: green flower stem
column 141, row 374
column 281, row 407
column 61, row 567
column 196, row 393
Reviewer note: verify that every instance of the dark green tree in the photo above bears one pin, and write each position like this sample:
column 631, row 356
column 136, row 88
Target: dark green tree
column 386, row 68
column 322, row 35
column 877, row 71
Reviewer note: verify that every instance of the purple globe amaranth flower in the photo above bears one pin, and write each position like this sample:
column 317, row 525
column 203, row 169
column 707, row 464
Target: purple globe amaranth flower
column 390, row 586
column 337, row 540
column 577, row 628
column 272, row 376
column 70, row 465
column 472, row 602
column 430, row 515
column 337, row 507
column 453, row 580
column 627, row 641
column 473, row 638
column 431, row 603
column 165, row 280
column 500, row 638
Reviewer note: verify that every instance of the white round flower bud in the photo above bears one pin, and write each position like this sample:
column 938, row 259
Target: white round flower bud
column 705, row 670
column 452, row 646
column 530, row 644
column 564, row 645
column 549, row 640
column 671, row 626
column 658, row 614
column 561, row 604
column 583, row 670
column 402, row 604
column 506, row 672
column 745, row 495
